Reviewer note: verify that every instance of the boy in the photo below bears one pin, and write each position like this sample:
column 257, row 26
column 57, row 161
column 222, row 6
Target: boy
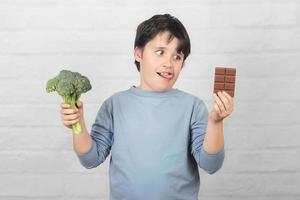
column 157, row 135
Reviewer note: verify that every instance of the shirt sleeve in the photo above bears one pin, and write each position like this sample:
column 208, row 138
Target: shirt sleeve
column 208, row 162
column 102, row 137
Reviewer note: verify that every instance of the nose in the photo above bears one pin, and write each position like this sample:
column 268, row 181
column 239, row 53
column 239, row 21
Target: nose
column 168, row 62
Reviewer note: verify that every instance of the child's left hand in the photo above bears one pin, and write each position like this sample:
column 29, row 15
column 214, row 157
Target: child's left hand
column 223, row 106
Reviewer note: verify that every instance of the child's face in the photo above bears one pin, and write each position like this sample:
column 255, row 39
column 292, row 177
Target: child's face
column 160, row 63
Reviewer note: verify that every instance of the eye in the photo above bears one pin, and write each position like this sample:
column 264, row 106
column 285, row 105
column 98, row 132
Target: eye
column 178, row 57
column 159, row 52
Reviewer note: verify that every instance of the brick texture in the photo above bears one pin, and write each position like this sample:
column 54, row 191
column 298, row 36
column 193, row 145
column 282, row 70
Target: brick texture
column 258, row 37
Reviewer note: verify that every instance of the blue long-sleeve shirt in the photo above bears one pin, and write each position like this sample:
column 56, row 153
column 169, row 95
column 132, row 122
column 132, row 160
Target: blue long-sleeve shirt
column 155, row 140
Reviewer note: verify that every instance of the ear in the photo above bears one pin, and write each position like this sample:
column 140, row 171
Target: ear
column 138, row 52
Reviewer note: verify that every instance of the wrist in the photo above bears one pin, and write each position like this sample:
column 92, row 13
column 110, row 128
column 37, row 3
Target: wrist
column 214, row 119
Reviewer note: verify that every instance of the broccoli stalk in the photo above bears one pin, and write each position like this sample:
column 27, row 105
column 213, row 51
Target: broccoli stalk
column 69, row 85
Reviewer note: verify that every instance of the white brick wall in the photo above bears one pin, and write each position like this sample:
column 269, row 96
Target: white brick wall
column 259, row 37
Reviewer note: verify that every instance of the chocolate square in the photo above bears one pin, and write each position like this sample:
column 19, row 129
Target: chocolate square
column 225, row 80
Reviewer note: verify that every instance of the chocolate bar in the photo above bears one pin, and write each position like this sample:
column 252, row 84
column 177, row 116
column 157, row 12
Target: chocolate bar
column 225, row 80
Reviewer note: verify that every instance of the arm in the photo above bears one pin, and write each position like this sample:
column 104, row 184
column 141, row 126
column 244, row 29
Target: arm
column 207, row 138
column 100, row 140
column 82, row 143
column 91, row 149
column 214, row 138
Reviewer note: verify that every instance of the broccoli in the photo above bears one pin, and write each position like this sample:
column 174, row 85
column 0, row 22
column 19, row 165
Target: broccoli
column 69, row 85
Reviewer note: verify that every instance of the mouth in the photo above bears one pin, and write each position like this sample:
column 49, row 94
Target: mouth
column 166, row 75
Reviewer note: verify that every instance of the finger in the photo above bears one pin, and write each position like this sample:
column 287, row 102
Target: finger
column 217, row 109
column 72, row 122
column 229, row 105
column 79, row 104
column 216, row 106
column 65, row 105
column 223, row 98
column 69, row 126
column 70, row 117
column 225, row 101
column 230, row 99
column 220, row 103
column 69, row 111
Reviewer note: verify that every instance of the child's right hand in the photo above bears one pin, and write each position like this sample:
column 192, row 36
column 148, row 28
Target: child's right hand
column 71, row 116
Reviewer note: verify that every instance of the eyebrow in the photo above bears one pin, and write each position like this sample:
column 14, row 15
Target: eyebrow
column 177, row 51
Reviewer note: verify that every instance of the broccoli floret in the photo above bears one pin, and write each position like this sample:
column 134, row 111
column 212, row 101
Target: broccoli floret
column 69, row 85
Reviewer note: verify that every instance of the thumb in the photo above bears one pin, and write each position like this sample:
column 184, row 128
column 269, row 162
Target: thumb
column 79, row 104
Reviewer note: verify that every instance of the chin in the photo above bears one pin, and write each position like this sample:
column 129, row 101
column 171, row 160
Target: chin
column 164, row 89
